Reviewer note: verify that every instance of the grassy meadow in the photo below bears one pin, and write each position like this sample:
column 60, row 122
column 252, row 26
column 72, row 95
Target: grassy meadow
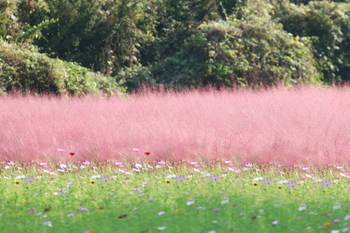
column 196, row 161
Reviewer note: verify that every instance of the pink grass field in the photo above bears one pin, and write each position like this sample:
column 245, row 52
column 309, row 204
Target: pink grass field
column 287, row 126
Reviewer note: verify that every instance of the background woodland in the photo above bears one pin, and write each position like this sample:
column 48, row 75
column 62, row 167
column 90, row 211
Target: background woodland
column 119, row 46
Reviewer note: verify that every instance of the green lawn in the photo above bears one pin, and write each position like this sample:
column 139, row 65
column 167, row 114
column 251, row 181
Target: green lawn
column 181, row 197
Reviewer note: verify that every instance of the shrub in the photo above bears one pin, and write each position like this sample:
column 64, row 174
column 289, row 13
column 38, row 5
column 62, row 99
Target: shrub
column 249, row 51
column 327, row 24
column 24, row 69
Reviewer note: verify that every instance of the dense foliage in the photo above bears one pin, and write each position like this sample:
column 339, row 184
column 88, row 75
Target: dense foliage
column 187, row 44
column 327, row 25
column 24, row 69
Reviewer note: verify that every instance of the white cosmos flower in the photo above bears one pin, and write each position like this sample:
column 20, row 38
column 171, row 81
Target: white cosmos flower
column 258, row 178
column 190, row 202
column 227, row 200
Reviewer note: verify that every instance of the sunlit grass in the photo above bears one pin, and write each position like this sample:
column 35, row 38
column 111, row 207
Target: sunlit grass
column 187, row 196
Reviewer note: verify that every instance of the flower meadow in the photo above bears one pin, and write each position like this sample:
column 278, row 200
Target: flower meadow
column 172, row 197
column 196, row 161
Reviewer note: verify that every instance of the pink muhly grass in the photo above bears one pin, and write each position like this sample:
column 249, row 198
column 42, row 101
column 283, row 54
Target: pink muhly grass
column 286, row 126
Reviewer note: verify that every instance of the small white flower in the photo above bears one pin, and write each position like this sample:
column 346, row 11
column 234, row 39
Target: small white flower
column 302, row 208
column 347, row 218
column 258, row 178
column 211, row 231
column 283, row 181
column 161, row 228
column 21, row 177
column 171, row 176
column 190, row 202
column 63, row 165
column 336, row 207
column 161, row 213
column 227, row 200
column 138, row 165
column 96, row 176
column 335, row 231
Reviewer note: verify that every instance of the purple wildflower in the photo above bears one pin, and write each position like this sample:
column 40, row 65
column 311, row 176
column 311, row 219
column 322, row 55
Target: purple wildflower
column 30, row 179
column 82, row 208
column 216, row 210
column 144, row 183
column 214, row 177
column 292, row 184
column 336, row 220
column 105, row 179
column 31, row 211
column 267, row 181
column 48, row 223
column 275, row 222
column 327, row 183
column 181, row 178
